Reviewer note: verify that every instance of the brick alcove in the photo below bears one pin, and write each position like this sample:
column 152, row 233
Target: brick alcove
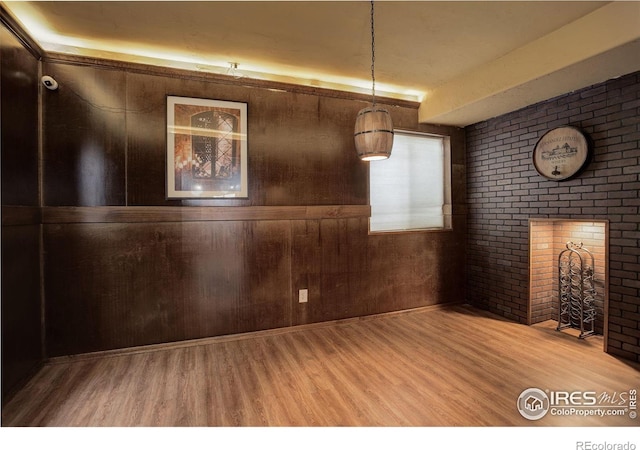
column 547, row 238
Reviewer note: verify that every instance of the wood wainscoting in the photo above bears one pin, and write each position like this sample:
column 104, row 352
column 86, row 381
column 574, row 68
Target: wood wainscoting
column 119, row 277
column 436, row 366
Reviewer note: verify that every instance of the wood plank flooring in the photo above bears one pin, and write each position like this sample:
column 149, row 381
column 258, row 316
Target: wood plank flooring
column 452, row 366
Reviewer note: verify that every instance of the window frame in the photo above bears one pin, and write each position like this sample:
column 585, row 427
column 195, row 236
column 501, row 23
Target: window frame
column 447, row 188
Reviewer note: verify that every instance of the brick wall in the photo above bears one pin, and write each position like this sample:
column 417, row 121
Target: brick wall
column 505, row 191
column 543, row 273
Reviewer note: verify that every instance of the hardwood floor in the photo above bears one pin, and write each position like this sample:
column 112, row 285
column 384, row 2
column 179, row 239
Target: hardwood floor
column 451, row 366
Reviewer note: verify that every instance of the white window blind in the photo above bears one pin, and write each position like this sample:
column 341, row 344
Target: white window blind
column 409, row 190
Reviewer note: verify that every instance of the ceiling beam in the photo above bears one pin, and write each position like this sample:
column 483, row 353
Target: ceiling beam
column 601, row 45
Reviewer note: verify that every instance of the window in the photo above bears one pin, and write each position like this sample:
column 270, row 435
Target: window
column 411, row 190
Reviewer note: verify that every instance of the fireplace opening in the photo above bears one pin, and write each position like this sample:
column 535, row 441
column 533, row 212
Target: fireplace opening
column 549, row 240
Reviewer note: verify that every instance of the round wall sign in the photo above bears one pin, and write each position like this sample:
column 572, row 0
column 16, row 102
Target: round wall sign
column 561, row 153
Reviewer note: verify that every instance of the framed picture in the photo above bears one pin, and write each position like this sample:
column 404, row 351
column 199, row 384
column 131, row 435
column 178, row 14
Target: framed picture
column 206, row 148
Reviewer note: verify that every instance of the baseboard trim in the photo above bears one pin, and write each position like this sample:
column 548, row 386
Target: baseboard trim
column 239, row 336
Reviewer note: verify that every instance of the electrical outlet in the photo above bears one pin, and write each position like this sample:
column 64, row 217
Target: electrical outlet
column 303, row 295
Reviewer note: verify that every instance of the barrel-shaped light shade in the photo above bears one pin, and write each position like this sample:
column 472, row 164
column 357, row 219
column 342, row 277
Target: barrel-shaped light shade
column 373, row 134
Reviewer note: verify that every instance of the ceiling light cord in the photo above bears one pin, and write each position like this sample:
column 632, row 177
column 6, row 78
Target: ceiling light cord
column 373, row 58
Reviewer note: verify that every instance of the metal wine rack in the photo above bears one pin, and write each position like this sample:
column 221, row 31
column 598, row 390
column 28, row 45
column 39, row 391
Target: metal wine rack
column 576, row 306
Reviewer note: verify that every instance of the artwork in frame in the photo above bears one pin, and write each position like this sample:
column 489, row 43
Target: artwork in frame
column 206, row 148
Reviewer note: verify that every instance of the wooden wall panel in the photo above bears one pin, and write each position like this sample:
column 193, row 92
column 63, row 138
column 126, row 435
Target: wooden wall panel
column 147, row 139
column 330, row 263
column 300, row 146
column 265, row 300
column 21, row 310
column 349, row 273
column 307, row 151
column 344, row 270
column 143, row 271
column 105, row 141
column 84, row 137
column 123, row 285
column 19, row 132
column 21, row 305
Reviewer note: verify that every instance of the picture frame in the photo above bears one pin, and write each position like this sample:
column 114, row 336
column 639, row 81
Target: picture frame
column 206, row 148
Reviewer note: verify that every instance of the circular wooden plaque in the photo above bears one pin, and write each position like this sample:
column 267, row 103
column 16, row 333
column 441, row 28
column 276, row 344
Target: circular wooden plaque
column 561, row 153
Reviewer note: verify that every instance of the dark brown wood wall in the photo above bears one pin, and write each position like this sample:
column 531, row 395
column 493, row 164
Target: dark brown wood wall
column 21, row 306
column 122, row 268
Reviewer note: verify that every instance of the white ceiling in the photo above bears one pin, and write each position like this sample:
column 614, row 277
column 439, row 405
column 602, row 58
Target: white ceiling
column 464, row 61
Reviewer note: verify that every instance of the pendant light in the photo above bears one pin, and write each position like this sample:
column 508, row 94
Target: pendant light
column 373, row 133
